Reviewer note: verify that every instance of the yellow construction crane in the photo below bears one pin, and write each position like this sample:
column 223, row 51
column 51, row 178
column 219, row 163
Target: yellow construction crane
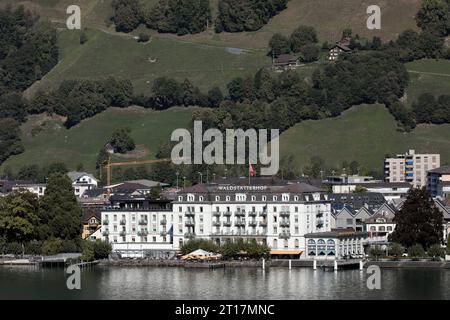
column 108, row 166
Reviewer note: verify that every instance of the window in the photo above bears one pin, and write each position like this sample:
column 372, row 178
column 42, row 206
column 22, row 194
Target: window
column 228, row 198
column 264, row 198
column 180, row 209
column 200, row 198
column 274, row 209
column 296, row 209
column 201, row 209
column 389, row 228
column 180, row 199
column 217, row 198
column 296, row 198
column 253, row 198
column 275, row 198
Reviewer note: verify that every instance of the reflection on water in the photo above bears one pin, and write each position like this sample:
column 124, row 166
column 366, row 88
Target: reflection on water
column 245, row 283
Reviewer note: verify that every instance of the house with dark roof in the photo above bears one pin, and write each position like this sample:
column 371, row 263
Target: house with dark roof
column 369, row 200
column 341, row 47
column 349, row 218
column 285, row 62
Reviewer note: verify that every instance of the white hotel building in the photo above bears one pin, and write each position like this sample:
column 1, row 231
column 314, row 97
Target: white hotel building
column 278, row 215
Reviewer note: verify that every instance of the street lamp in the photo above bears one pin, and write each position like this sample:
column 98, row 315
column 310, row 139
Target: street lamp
column 201, row 177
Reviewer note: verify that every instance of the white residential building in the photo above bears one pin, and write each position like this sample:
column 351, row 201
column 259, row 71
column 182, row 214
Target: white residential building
column 410, row 167
column 37, row 188
column 277, row 215
column 82, row 181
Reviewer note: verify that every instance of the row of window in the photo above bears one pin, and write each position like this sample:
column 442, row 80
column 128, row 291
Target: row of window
column 243, row 197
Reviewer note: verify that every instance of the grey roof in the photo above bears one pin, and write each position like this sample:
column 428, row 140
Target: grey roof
column 148, row 183
column 75, row 175
column 385, row 185
column 441, row 170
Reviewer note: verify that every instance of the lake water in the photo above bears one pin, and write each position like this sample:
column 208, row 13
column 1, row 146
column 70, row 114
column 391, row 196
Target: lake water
column 240, row 283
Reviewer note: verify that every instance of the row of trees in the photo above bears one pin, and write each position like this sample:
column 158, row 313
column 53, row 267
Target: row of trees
column 28, row 50
column 228, row 250
column 303, row 40
column 81, row 99
column 429, row 109
column 397, row 251
column 173, row 16
column 193, row 16
column 246, row 15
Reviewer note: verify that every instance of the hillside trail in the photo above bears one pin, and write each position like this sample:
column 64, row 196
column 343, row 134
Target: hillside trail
column 429, row 73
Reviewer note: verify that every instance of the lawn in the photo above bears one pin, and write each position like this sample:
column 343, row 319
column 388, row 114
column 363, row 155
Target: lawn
column 121, row 56
column 365, row 134
column 428, row 75
column 46, row 140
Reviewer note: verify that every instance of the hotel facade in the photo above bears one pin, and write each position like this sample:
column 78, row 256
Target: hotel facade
column 277, row 215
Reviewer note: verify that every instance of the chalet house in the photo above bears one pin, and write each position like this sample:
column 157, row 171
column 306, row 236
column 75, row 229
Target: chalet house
column 91, row 222
column 339, row 48
column 381, row 224
column 285, row 62
column 82, row 181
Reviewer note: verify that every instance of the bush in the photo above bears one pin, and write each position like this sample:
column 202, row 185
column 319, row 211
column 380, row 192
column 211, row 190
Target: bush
column 436, row 252
column 143, row 37
column 376, row 252
column 52, row 247
column 14, row 248
column 69, row 246
column 416, row 251
column 102, row 249
column 397, row 250
column 33, row 247
column 87, row 253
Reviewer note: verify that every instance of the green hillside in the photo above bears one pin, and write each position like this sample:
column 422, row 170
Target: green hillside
column 209, row 59
column 365, row 134
column 428, row 75
column 47, row 140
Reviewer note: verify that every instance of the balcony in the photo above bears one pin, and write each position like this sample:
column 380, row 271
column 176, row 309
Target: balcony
column 163, row 233
column 189, row 223
column 105, row 222
column 105, row 233
column 216, row 214
column 319, row 214
column 239, row 223
column 189, row 235
column 263, row 214
column 284, row 235
column 163, row 222
column 239, row 213
column 123, row 233
column 189, row 213
column 216, row 223
column 263, row 223
column 143, row 222
column 285, row 213
column 285, row 223
column 227, row 214
column 227, row 224
column 319, row 223
column 142, row 233
column 252, row 223
column 252, row 213
column 122, row 222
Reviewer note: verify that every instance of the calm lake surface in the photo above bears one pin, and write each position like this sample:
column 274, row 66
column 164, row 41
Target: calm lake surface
column 240, row 283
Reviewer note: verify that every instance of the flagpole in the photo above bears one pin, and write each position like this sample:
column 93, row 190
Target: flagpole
column 249, row 183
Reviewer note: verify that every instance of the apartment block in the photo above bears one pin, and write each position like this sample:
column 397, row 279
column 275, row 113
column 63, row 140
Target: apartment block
column 410, row 167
